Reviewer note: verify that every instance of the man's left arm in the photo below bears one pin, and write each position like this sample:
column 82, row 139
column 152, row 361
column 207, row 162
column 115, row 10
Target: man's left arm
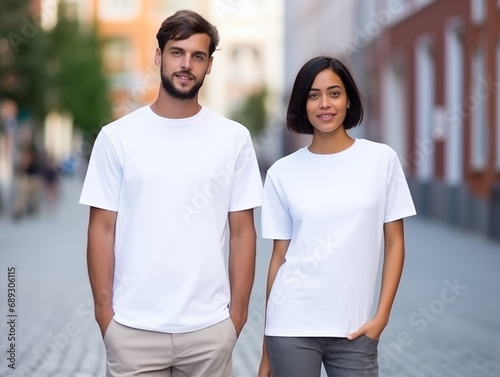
column 242, row 244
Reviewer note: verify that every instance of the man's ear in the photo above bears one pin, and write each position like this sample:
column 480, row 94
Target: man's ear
column 158, row 57
column 210, row 61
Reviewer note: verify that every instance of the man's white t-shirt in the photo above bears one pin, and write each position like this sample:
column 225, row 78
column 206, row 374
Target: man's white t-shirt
column 333, row 209
column 172, row 183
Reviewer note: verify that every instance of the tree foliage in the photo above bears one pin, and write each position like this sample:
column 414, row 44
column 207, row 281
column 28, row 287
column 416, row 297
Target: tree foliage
column 56, row 70
column 22, row 51
column 76, row 82
column 252, row 112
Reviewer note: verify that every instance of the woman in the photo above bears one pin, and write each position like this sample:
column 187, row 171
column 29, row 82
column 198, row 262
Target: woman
column 330, row 208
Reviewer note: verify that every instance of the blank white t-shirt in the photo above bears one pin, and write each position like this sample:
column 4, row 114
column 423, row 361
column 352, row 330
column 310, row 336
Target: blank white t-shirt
column 172, row 183
column 333, row 209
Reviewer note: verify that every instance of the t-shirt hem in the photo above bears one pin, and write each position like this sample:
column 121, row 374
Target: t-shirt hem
column 244, row 207
column 171, row 329
column 276, row 236
column 398, row 216
column 306, row 333
column 92, row 203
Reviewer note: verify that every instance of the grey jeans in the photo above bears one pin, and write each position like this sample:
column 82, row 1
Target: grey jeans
column 303, row 356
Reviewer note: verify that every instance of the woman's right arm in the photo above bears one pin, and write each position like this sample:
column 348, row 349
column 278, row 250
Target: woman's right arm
column 280, row 248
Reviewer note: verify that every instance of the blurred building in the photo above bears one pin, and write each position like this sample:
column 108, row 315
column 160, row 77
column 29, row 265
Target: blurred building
column 313, row 28
column 249, row 56
column 430, row 73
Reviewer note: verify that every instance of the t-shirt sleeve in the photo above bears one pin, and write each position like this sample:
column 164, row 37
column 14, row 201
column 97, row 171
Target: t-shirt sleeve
column 247, row 183
column 399, row 203
column 276, row 221
column 102, row 184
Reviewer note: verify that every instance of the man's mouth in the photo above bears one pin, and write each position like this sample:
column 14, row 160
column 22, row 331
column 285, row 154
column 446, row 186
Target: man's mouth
column 184, row 76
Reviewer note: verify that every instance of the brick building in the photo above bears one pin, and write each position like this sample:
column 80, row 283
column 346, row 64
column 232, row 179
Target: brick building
column 430, row 74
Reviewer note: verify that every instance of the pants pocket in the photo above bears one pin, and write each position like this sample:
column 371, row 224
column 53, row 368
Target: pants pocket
column 108, row 330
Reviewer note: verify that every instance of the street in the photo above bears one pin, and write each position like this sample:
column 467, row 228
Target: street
column 445, row 321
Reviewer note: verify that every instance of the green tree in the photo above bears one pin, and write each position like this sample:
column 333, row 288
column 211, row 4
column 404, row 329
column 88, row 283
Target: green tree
column 75, row 67
column 252, row 112
column 22, row 58
column 56, row 70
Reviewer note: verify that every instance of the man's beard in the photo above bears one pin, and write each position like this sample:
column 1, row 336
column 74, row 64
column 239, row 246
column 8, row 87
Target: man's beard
column 169, row 87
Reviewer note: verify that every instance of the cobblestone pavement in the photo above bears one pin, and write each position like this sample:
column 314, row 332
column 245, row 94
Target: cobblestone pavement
column 55, row 332
column 445, row 322
column 446, row 318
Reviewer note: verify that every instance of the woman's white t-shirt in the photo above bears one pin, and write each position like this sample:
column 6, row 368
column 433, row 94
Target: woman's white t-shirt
column 333, row 209
column 172, row 183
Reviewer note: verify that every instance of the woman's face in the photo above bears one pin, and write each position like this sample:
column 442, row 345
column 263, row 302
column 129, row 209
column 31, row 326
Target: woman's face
column 327, row 102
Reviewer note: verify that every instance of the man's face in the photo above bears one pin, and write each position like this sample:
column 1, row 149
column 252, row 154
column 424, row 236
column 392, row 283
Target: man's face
column 184, row 64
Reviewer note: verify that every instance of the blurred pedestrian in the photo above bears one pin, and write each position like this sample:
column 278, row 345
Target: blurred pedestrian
column 50, row 175
column 166, row 185
column 330, row 207
column 27, row 183
column 8, row 130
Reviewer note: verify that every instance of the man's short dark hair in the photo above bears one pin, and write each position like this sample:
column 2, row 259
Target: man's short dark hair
column 296, row 117
column 182, row 25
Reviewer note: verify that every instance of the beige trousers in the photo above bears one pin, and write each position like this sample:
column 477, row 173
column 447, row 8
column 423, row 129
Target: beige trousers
column 137, row 353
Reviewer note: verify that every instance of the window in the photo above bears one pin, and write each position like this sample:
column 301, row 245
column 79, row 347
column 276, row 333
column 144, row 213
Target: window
column 454, row 102
column 498, row 109
column 425, row 115
column 477, row 103
column 118, row 10
column 117, row 53
column 246, row 65
column 48, row 14
column 394, row 107
column 478, row 11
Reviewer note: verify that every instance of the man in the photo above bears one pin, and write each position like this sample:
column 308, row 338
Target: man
column 166, row 184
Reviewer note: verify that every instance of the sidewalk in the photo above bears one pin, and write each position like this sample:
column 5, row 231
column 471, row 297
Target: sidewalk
column 445, row 321
column 55, row 332
column 446, row 318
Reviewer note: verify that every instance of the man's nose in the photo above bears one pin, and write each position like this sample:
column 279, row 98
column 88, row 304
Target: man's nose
column 186, row 62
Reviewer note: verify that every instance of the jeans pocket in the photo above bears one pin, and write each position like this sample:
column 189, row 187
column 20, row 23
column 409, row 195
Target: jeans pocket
column 370, row 339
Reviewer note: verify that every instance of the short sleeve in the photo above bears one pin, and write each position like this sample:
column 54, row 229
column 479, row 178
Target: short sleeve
column 247, row 184
column 276, row 220
column 399, row 203
column 104, row 176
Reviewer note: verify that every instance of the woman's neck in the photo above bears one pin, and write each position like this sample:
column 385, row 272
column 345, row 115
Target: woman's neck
column 330, row 143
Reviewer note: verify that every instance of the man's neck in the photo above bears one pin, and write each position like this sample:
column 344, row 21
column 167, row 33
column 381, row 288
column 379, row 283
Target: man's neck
column 168, row 107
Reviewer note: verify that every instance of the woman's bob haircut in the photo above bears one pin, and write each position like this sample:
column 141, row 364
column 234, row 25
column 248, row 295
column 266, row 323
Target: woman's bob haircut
column 296, row 116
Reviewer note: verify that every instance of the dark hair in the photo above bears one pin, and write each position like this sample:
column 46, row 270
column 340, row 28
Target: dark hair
column 296, row 116
column 182, row 25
